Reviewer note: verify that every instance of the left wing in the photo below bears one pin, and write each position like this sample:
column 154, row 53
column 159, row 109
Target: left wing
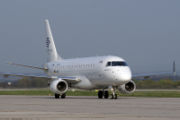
column 149, row 75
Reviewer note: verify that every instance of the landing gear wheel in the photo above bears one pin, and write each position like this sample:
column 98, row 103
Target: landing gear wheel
column 106, row 94
column 56, row 96
column 63, row 96
column 100, row 94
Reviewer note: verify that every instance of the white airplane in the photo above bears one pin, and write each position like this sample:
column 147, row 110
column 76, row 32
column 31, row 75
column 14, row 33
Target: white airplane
column 102, row 73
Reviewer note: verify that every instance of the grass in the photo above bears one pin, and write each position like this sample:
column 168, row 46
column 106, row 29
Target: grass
column 92, row 93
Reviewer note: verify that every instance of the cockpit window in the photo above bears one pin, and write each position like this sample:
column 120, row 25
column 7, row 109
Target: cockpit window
column 108, row 63
column 117, row 63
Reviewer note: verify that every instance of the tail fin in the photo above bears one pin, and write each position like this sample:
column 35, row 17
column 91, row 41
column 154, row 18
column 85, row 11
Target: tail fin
column 52, row 52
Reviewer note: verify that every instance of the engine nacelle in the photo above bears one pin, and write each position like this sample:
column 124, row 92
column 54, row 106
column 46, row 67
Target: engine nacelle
column 59, row 86
column 127, row 88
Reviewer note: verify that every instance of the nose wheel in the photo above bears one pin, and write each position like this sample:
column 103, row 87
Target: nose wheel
column 103, row 94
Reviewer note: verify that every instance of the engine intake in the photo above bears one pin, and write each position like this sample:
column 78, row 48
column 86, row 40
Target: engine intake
column 128, row 88
column 59, row 86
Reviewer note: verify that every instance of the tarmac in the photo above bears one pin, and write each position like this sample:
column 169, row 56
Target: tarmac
column 14, row 107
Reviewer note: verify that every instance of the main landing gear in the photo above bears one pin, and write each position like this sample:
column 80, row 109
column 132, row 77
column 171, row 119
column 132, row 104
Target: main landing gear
column 58, row 95
column 105, row 94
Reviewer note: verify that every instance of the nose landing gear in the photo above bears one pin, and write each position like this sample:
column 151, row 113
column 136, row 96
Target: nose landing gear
column 114, row 95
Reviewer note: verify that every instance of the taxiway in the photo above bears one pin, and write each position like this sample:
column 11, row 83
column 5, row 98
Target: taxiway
column 90, row 108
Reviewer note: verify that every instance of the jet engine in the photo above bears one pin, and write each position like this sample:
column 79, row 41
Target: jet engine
column 59, row 86
column 127, row 88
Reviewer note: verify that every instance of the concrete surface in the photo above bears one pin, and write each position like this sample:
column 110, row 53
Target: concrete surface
column 89, row 108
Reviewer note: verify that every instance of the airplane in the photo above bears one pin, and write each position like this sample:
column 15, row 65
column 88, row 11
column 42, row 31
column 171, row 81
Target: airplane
column 88, row 73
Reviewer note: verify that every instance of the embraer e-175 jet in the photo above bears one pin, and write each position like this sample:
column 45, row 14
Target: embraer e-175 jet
column 103, row 73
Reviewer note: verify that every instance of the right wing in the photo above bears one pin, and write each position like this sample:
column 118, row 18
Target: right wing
column 5, row 75
column 68, row 79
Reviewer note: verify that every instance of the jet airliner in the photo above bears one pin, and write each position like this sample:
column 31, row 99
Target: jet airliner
column 103, row 72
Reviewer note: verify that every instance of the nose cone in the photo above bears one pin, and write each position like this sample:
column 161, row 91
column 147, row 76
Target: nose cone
column 125, row 74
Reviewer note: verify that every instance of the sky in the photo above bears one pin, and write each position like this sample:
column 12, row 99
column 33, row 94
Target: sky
column 146, row 33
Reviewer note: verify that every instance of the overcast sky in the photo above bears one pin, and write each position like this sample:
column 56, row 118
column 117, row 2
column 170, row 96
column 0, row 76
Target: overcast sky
column 146, row 33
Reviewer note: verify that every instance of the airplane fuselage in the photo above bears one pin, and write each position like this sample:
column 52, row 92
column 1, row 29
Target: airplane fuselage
column 95, row 72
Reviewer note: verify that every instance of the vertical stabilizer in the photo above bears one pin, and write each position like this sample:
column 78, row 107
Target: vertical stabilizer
column 52, row 52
